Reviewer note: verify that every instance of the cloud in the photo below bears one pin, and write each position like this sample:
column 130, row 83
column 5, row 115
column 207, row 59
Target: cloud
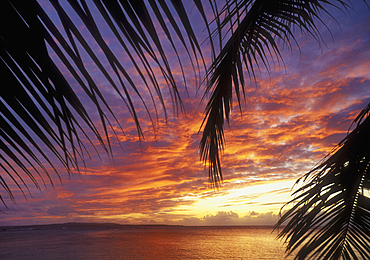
column 230, row 218
column 60, row 210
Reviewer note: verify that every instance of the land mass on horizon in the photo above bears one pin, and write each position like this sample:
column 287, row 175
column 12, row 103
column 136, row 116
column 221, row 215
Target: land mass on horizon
column 80, row 225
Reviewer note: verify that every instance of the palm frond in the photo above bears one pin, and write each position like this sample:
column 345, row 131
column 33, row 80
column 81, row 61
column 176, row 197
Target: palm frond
column 330, row 214
column 254, row 27
column 39, row 106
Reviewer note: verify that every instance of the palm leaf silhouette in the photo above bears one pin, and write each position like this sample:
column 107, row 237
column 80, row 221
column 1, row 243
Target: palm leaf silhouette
column 255, row 28
column 38, row 103
column 330, row 216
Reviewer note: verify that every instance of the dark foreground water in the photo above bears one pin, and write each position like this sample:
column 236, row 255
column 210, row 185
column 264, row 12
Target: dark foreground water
column 162, row 242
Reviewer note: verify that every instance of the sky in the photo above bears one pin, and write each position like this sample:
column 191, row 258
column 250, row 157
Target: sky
column 292, row 117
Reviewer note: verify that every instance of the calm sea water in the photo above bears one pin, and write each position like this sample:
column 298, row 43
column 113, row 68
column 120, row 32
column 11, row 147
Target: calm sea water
column 143, row 243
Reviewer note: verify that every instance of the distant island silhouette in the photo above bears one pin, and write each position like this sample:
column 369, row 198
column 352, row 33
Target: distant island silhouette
column 103, row 226
column 81, row 226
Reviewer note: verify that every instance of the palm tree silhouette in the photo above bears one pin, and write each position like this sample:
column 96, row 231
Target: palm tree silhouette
column 39, row 102
column 330, row 212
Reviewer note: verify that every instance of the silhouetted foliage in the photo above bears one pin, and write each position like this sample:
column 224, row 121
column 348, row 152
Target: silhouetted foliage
column 39, row 107
column 330, row 214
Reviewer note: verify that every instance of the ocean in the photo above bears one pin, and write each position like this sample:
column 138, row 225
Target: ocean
column 140, row 242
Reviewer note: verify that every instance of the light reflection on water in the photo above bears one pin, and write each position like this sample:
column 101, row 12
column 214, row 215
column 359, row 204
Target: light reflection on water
column 143, row 243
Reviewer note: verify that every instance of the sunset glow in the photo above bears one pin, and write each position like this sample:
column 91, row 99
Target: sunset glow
column 291, row 118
